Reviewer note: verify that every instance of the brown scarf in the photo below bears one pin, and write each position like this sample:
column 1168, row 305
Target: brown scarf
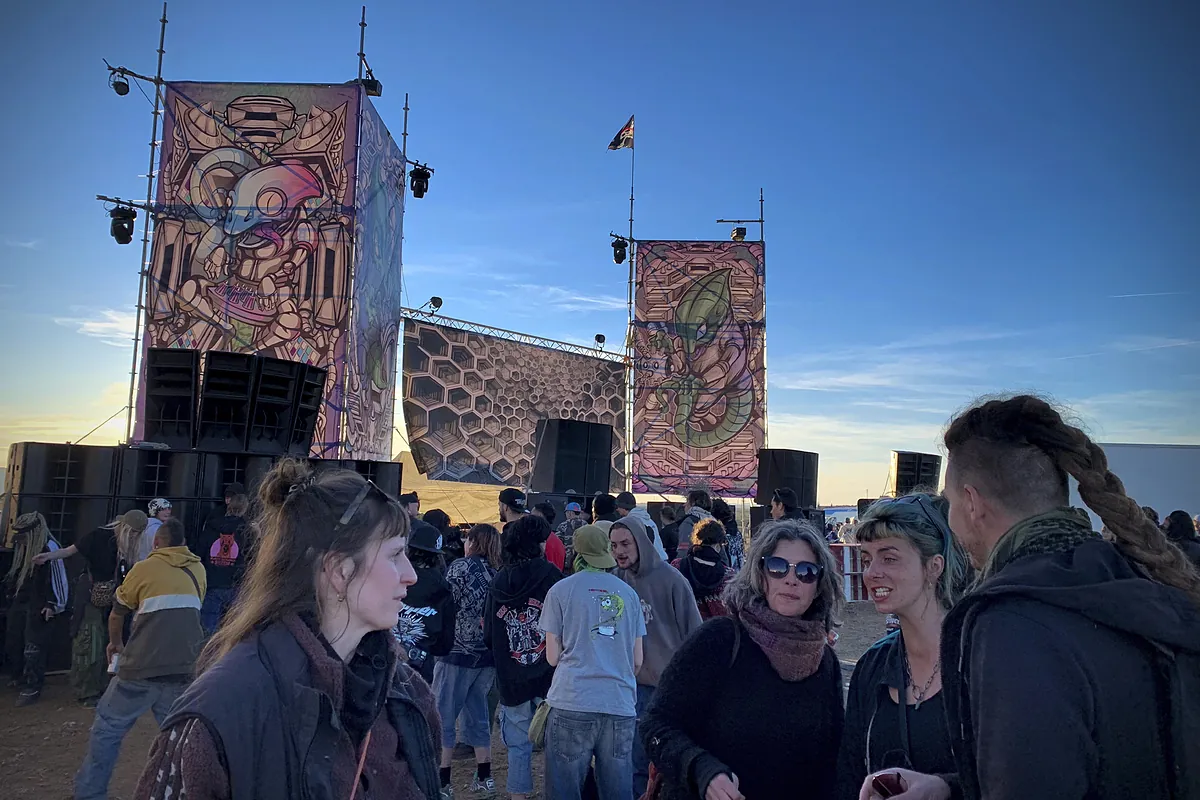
column 793, row 645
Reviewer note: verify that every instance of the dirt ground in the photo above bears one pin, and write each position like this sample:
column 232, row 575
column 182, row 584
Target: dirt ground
column 42, row 745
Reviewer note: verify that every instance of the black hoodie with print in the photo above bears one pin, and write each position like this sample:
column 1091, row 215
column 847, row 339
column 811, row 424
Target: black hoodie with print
column 510, row 629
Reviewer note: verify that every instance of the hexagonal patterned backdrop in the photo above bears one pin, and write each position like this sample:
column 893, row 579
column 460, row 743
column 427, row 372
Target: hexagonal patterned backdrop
column 472, row 402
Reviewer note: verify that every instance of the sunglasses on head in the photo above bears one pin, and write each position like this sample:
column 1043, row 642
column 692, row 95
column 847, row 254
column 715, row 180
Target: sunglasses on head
column 806, row 571
column 932, row 515
column 361, row 498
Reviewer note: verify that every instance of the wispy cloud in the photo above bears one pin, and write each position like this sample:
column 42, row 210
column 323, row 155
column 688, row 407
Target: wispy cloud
column 31, row 244
column 110, row 326
column 1144, row 294
column 572, row 300
column 1135, row 344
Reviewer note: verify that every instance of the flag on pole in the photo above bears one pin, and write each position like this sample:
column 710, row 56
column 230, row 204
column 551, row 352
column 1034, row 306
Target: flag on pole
column 624, row 137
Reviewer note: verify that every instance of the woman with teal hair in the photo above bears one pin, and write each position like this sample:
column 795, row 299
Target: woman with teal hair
column 913, row 568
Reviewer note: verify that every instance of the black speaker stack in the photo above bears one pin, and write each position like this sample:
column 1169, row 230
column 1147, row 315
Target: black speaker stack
column 244, row 404
column 913, row 471
column 791, row 469
column 572, row 458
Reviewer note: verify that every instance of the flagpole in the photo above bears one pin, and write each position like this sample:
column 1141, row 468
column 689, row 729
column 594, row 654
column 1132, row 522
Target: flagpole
column 629, row 329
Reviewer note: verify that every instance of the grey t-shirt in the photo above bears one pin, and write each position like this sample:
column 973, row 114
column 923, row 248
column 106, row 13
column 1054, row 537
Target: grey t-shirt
column 597, row 617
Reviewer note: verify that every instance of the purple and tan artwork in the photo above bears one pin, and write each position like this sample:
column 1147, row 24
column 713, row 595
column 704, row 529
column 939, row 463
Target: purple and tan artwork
column 253, row 240
column 699, row 415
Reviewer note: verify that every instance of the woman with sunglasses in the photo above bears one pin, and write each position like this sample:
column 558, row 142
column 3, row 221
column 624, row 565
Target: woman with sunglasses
column 913, row 568
column 752, row 703
column 301, row 692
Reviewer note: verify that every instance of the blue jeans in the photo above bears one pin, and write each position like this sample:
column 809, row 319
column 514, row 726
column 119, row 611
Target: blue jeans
column 573, row 738
column 514, row 732
column 641, row 761
column 463, row 690
column 216, row 603
column 123, row 702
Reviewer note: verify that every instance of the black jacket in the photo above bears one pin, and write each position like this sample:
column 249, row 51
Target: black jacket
column 670, row 540
column 1066, row 673
column 871, row 739
column 277, row 734
column 426, row 625
column 510, row 629
column 709, row 716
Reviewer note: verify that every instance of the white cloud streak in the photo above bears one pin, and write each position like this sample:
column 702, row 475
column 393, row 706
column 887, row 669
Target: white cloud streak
column 31, row 244
column 112, row 327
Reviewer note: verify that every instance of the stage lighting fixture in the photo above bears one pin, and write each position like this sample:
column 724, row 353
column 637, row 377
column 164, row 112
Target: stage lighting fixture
column 119, row 84
column 419, row 180
column 620, row 250
column 600, row 340
column 122, row 224
column 372, row 86
column 435, row 303
column 738, row 235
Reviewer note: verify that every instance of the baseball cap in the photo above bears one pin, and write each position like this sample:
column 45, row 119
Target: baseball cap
column 235, row 490
column 514, row 498
column 627, row 501
column 591, row 543
column 135, row 518
column 424, row 536
column 578, row 509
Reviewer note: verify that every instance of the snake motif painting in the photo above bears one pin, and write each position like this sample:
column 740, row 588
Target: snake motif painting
column 699, row 399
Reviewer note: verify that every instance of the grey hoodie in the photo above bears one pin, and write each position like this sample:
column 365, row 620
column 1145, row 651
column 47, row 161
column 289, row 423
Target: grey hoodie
column 643, row 516
column 668, row 604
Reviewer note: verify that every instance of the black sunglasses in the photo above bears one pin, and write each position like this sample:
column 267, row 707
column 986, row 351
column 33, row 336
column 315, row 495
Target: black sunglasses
column 806, row 571
column 358, row 500
column 933, row 516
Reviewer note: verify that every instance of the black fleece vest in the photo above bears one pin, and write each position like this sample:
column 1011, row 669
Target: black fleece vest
column 276, row 733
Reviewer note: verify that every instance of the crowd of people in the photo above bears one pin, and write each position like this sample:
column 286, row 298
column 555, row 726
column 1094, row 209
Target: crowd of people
column 362, row 642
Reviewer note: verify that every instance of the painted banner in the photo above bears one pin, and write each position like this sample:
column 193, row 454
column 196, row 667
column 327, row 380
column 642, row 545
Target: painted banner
column 375, row 310
column 266, row 199
column 472, row 402
column 699, row 367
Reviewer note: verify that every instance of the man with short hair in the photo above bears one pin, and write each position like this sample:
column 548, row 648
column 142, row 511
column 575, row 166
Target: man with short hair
column 411, row 504
column 699, row 507
column 166, row 591
column 670, row 611
column 627, row 507
column 670, row 529
column 594, row 640
column 604, row 508
column 785, row 504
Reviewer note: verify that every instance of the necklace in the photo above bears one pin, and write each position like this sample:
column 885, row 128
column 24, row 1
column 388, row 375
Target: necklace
column 919, row 694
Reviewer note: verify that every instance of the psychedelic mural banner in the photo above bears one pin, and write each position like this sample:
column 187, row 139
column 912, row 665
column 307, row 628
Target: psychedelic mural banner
column 699, row 367
column 253, row 239
column 375, row 312
column 472, row 402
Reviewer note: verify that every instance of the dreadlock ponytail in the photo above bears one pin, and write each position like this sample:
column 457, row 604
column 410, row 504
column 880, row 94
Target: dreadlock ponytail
column 1011, row 436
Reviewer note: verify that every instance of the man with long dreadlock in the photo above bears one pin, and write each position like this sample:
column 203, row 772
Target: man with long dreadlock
column 39, row 593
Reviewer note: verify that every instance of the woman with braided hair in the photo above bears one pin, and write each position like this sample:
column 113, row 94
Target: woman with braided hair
column 1072, row 668
column 38, row 593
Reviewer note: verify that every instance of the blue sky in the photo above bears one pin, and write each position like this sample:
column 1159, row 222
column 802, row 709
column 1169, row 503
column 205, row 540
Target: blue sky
column 961, row 197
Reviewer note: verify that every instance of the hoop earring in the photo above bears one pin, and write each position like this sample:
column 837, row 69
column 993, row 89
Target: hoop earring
column 341, row 598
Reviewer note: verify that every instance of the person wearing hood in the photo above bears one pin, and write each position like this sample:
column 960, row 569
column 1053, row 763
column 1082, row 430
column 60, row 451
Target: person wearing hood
column 425, row 629
column 705, row 568
column 511, row 629
column 670, row 612
column 165, row 590
column 1070, row 669
column 627, row 507
column 698, row 507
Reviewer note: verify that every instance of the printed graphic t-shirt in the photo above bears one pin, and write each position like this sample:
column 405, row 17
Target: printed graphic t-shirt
column 597, row 617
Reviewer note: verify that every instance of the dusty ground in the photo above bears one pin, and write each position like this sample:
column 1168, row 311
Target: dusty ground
column 42, row 745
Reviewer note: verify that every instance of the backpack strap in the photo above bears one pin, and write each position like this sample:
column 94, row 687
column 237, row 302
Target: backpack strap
column 737, row 641
column 195, row 583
